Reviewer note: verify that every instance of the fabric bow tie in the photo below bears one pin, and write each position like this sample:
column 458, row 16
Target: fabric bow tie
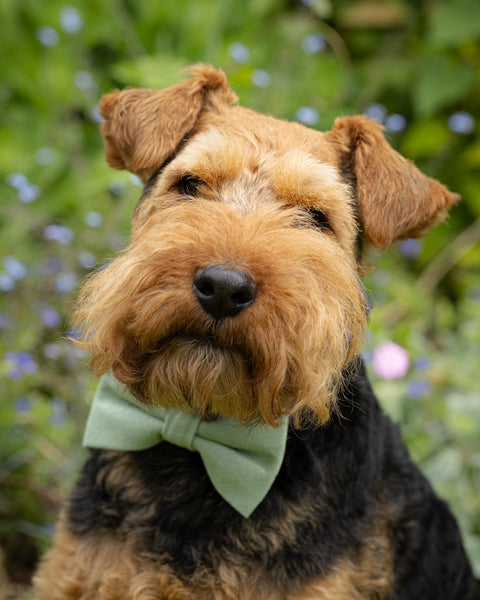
column 242, row 462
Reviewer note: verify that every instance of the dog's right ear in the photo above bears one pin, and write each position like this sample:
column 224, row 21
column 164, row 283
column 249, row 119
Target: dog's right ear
column 142, row 128
column 395, row 200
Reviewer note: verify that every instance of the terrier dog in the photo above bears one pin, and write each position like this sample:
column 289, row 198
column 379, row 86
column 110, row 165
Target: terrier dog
column 237, row 451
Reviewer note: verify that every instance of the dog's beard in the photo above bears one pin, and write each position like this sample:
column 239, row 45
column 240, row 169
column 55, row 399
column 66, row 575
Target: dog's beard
column 195, row 374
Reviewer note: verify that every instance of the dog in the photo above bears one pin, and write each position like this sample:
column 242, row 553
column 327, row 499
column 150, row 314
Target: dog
column 237, row 451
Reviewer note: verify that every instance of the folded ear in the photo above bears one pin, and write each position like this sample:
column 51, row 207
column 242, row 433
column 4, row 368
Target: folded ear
column 395, row 200
column 142, row 128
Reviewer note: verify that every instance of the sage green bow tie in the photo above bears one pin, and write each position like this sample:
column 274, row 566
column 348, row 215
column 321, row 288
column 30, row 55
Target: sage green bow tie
column 242, row 462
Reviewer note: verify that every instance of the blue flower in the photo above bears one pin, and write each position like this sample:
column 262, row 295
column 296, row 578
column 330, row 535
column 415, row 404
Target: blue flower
column 47, row 36
column 261, row 78
column 71, row 20
column 20, row 364
column 419, row 389
column 7, row 282
column 307, row 115
column 84, row 81
column 27, row 191
column 313, row 43
column 95, row 115
column 461, row 122
column 59, row 233
column 135, row 179
column 14, row 268
column 117, row 187
column 239, row 52
column 87, row 260
column 376, row 111
column 93, row 219
column 65, row 283
column 17, row 180
column 395, row 123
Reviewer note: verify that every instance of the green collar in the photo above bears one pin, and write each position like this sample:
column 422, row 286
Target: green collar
column 242, row 462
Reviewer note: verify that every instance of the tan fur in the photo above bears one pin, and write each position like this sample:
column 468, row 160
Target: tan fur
column 257, row 177
column 105, row 567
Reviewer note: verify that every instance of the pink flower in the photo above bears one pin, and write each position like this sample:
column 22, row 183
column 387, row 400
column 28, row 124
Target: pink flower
column 390, row 361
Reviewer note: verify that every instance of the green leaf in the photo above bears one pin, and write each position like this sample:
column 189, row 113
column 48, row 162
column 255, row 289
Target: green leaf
column 157, row 71
column 441, row 81
column 424, row 138
column 455, row 22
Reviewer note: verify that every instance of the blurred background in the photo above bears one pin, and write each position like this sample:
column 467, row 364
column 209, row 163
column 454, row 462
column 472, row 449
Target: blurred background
column 414, row 66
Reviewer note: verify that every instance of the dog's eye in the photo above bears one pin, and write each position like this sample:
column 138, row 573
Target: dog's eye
column 189, row 185
column 319, row 218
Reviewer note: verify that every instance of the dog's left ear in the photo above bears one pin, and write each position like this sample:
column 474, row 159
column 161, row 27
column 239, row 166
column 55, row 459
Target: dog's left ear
column 395, row 200
column 142, row 127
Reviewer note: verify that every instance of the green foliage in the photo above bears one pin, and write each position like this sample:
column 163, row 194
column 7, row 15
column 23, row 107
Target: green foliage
column 414, row 66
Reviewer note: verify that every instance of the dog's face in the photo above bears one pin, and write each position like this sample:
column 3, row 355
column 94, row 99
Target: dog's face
column 239, row 294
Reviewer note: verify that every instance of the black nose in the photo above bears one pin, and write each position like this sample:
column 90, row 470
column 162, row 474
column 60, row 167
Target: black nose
column 223, row 292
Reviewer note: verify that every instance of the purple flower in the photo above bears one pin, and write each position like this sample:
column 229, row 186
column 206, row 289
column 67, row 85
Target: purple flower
column 50, row 317
column 20, row 364
column 411, row 248
column 59, row 412
column 23, row 404
column 419, row 389
column 390, row 361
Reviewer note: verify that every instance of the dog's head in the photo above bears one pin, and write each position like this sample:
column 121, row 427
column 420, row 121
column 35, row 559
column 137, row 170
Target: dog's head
column 239, row 294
